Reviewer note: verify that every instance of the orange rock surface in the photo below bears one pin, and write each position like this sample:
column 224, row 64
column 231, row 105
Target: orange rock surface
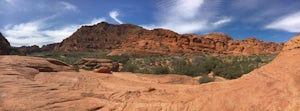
column 274, row 87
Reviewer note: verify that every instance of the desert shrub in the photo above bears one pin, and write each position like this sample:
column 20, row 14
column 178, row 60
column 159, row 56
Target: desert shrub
column 14, row 53
column 181, row 66
column 185, row 69
column 70, row 57
column 234, row 69
column 178, row 61
column 160, row 70
column 205, row 64
column 206, row 79
column 130, row 67
column 121, row 59
column 258, row 59
column 144, row 71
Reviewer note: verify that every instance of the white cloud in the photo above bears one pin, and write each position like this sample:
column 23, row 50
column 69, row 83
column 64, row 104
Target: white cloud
column 188, row 16
column 289, row 23
column 69, row 6
column 39, row 33
column 59, row 34
column 114, row 15
column 25, row 33
column 186, row 8
column 223, row 21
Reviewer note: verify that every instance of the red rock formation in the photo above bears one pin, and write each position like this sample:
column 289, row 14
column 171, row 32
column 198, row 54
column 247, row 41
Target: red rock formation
column 131, row 39
column 4, row 45
column 102, row 36
column 49, row 47
column 294, row 43
column 25, row 85
column 170, row 43
column 28, row 49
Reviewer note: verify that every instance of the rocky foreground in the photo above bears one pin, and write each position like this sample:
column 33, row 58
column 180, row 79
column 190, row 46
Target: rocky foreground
column 35, row 84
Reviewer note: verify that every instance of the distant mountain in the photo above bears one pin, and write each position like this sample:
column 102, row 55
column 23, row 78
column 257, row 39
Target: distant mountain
column 102, row 36
column 5, row 47
column 132, row 39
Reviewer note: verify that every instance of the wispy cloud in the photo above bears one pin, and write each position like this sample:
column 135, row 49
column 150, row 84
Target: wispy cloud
column 222, row 21
column 289, row 23
column 39, row 32
column 37, row 7
column 189, row 16
column 260, row 11
column 114, row 15
column 69, row 6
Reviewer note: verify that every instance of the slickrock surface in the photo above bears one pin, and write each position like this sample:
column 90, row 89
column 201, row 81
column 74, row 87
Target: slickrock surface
column 274, row 87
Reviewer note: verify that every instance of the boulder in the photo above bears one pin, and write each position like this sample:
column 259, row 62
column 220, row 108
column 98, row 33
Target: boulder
column 103, row 70
column 92, row 64
column 57, row 62
column 115, row 67
column 92, row 60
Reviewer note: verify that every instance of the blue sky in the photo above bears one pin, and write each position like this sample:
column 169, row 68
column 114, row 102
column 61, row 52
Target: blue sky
column 40, row 22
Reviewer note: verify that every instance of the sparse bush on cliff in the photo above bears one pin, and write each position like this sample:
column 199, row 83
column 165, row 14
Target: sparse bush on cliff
column 129, row 67
column 160, row 70
column 120, row 59
column 206, row 79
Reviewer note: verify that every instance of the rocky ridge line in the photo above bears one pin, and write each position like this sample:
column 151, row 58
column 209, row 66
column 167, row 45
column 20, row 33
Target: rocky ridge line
column 131, row 39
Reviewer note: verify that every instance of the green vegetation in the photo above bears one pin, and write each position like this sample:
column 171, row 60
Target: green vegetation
column 70, row 57
column 130, row 68
column 229, row 67
column 206, row 79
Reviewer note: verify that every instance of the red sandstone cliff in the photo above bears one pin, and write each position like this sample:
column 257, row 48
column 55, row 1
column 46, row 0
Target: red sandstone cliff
column 131, row 39
column 102, row 36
